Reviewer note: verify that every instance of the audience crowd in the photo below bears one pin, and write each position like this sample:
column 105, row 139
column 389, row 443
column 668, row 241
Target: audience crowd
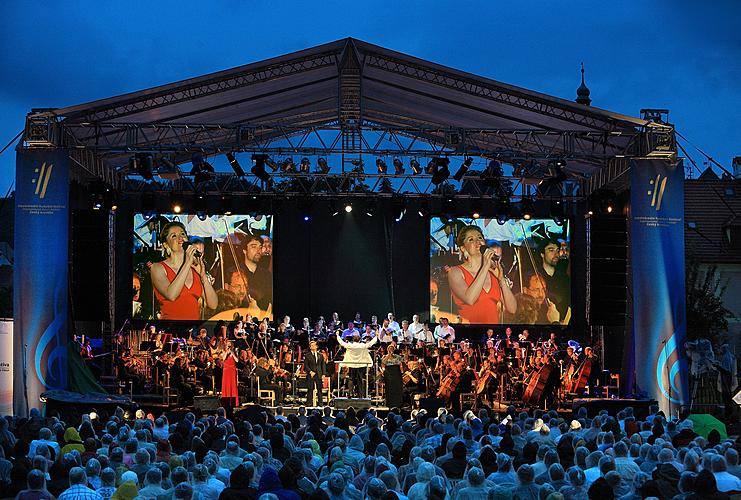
column 354, row 455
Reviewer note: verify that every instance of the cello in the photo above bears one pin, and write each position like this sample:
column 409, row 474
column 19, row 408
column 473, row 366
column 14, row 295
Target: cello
column 535, row 390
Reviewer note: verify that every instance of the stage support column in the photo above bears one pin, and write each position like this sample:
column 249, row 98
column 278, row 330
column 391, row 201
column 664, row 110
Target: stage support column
column 658, row 285
column 40, row 277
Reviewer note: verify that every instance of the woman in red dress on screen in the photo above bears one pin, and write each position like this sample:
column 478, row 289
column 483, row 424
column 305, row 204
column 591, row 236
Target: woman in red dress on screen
column 180, row 280
column 229, row 390
column 480, row 289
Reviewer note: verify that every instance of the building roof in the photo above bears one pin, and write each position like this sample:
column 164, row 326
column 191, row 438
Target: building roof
column 712, row 210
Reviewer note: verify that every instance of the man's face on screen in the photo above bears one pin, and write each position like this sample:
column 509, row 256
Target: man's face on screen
column 238, row 286
column 253, row 251
column 550, row 254
column 536, row 289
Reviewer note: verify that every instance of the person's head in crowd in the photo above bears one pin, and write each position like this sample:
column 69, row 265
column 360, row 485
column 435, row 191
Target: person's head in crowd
column 600, row 490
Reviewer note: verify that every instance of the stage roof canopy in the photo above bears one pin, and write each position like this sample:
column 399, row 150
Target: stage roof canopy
column 349, row 84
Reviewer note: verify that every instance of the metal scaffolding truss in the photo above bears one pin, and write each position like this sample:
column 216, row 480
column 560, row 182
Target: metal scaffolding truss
column 347, row 98
column 112, row 139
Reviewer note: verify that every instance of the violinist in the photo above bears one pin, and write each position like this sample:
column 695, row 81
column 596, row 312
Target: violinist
column 179, row 380
column 266, row 378
column 469, row 355
column 204, row 370
column 128, row 367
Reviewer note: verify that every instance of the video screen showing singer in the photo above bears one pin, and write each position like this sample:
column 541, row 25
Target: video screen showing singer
column 180, row 280
column 489, row 271
column 480, row 288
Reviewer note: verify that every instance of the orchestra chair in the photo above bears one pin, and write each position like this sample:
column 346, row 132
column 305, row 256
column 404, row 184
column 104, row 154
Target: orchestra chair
column 612, row 385
column 170, row 395
column 468, row 400
column 266, row 395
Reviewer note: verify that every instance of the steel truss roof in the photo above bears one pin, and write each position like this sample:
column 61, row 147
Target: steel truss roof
column 346, row 97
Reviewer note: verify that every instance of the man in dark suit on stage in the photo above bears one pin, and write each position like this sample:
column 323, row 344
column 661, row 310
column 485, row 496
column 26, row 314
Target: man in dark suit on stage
column 315, row 368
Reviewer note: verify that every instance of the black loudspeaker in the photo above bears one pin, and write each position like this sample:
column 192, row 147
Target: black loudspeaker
column 206, row 403
column 594, row 406
column 431, row 404
column 345, row 403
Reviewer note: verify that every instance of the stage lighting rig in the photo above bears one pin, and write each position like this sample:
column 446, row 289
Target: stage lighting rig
column 503, row 211
column 305, row 166
column 142, row 164
column 557, row 211
column 288, row 166
column 201, row 170
column 227, row 204
column 463, row 169
column 398, row 166
column 235, row 165
column 492, row 176
column 258, row 167
column 323, row 165
column 381, row 166
column 528, row 208
column 416, row 167
column 441, row 172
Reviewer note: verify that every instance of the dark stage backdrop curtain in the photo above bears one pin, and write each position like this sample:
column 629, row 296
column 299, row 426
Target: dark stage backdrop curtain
column 350, row 263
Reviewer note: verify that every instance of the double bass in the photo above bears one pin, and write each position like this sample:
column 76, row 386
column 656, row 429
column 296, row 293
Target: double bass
column 483, row 381
column 535, row 390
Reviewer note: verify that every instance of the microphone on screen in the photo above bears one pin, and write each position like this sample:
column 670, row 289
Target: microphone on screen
column 197, row 253
column 484, row 248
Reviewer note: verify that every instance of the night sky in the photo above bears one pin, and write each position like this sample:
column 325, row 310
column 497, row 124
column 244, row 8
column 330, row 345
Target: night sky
column 679, row 54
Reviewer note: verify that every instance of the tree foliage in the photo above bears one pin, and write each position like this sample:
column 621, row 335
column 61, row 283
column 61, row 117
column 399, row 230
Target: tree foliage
column 706, row 315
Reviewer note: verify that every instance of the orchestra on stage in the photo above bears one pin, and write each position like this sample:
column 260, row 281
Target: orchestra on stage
column 393, row 364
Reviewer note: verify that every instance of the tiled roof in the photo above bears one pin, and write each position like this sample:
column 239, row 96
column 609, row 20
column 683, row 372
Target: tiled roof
column 710, row 206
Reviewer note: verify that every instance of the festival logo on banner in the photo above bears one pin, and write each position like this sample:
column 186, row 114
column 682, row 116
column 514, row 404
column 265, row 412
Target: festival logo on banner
column 657, row 250
column 40, row 274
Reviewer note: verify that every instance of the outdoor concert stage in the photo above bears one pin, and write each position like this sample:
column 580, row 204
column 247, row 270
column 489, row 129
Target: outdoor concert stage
column 354, row 180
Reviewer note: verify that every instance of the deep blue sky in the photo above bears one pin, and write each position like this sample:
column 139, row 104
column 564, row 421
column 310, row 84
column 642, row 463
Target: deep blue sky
column 678, row 54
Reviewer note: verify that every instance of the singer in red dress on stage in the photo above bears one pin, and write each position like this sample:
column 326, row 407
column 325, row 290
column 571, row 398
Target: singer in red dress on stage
column 229, row 390
column 480, row 288
column 180, row 280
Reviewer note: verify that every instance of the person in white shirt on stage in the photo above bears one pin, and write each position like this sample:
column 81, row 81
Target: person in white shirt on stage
column 405, row 335
column 393, row 324
column 444, row 332
column 417, row 329
column 385, row 334
column 357, row 357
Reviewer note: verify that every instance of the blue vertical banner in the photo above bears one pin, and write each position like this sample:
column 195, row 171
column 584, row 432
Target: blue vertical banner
column 40, row 275
column 657, row 259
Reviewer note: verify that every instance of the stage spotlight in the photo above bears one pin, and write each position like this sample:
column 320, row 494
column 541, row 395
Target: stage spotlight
column 305, row 166
column 348, row 207
column 201, row 207
column 463, row 169
column 333, row 208
column 142, row 163
column 226, row 204
column 398, row 208
column 557, row 212
column 370, row 210
column 551, row 185
column 476, row 212
column 503, row 211
column 608, row 204
column 304, row 208
column 441, row 172
column 288, row 166
column 398, row 166
column 258, row 167
column 416, row 167
column 492, row 176
column 176, row 203
column 381, row 166
column 323, row 166
column 424, row 208
column 201, row 170
column 235, row 165
column 528, row 208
